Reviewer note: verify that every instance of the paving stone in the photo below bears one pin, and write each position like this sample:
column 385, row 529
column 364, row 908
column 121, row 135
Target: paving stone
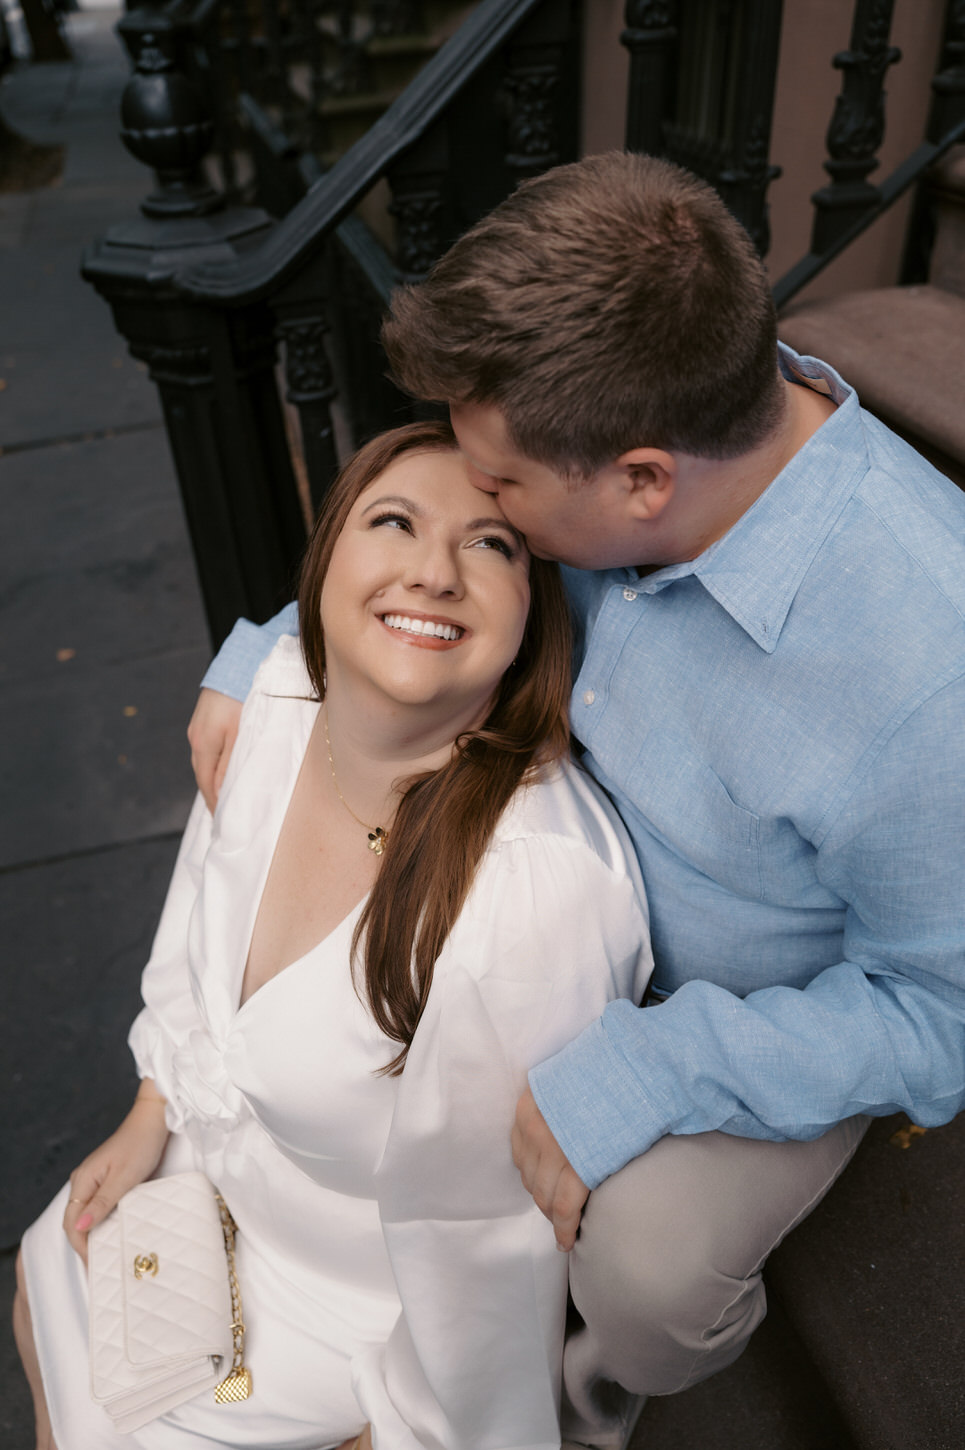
column 96, row 756
column 94, row 558
column 57, row 342
column 76, row 936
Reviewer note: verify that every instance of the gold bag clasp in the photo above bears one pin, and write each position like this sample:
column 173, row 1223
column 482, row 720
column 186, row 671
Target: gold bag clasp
column 145, row 1264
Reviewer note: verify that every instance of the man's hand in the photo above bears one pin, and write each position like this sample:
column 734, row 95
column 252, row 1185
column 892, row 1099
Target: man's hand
column 546, row 1172
column 212, row 734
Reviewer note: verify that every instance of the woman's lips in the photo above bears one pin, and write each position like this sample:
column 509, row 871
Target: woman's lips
column 422, row 630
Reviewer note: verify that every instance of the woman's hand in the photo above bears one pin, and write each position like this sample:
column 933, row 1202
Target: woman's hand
column 361, row 1442
column 128, row 1157
column 212, row 732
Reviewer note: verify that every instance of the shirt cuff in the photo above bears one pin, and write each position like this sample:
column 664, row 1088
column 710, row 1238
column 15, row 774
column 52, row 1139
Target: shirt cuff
column 594, row 1103
column 233, row 669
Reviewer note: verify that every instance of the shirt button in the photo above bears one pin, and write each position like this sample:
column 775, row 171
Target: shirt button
column 629, row 595
column 588, row 697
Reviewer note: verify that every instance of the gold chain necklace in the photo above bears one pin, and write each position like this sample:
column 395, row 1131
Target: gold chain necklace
column 378, row 838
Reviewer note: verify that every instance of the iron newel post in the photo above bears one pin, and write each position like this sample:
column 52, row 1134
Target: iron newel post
column 214, row 367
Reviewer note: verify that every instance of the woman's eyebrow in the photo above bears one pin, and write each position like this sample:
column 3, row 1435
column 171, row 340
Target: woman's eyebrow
column 492, row 523
column 395, row 499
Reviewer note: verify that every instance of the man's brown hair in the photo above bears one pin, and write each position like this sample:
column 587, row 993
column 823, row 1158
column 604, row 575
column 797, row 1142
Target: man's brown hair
column 610, row 304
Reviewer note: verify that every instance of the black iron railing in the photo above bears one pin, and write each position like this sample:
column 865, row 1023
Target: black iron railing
column 206, row 288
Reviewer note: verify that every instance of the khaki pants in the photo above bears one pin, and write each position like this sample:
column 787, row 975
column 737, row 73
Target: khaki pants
column 666, row 1273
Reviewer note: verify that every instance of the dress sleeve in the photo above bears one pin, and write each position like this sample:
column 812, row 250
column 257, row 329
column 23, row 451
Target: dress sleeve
column 549, row 934
column 169, row 1014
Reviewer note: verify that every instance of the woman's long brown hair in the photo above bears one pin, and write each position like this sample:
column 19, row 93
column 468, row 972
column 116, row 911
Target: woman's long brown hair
column 446, row 817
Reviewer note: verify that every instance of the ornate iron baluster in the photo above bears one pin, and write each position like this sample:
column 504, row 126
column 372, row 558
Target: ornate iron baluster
column 743, row 183
column 948, row 105
column 532, row 86
column 417, row 183
column 651, row 38
column 857, row 124
column 214, row 370
column 947, row 110
column 720, row 124
column 303, row 327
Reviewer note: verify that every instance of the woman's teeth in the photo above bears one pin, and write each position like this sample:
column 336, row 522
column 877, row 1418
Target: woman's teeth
column 421, row 626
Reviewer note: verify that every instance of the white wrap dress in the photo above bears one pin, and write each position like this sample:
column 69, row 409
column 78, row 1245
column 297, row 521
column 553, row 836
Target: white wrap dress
column 393, row 1268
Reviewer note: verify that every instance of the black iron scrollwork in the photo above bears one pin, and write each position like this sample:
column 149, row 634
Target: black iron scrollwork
column 418, row 237
column 857, row 123
column 308, row 372
column 533, row 136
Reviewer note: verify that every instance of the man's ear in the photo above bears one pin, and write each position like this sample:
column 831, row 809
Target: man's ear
column 651, row 474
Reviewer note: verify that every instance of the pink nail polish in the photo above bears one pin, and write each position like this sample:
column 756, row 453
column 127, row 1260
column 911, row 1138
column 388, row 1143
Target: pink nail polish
column 84, row 1222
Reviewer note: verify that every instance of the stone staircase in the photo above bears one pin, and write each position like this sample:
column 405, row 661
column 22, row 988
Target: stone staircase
column 903, row 348
column 386, row 65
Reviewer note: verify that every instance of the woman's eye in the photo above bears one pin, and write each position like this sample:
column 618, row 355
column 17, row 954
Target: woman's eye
column 397, row 521
column 497, row 542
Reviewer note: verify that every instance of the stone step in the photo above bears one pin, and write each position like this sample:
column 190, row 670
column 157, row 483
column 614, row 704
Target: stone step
column 903, row 348
column 872, row 1285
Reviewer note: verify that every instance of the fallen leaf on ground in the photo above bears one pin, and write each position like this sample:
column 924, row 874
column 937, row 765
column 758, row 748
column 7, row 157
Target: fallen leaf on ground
column 906, row 1136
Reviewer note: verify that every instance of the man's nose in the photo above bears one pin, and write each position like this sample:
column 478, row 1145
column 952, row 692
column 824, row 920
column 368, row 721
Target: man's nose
column 484, row 481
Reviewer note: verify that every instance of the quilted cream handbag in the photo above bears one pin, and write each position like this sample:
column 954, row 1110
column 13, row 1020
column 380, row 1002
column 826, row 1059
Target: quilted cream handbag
column 165, row 1307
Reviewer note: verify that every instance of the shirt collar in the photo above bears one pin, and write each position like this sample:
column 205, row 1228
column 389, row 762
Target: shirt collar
column 756, row 569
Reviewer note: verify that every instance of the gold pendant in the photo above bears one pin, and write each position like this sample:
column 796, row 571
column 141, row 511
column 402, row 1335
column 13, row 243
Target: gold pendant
column 237, row 1386
column 377, row 840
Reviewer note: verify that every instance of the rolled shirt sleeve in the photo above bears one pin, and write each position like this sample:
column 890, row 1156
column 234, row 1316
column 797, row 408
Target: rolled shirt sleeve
column 233, row 669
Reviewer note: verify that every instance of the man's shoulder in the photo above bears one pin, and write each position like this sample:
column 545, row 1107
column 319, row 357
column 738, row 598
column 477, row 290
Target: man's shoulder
column 910, row 518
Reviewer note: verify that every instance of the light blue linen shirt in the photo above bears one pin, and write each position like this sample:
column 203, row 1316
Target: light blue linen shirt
column 781, row 723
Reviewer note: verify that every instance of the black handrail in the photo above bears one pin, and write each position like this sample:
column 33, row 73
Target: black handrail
column 300, row 234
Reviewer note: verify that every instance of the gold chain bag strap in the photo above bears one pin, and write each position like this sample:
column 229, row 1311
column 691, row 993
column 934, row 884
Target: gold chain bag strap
column 237, row 1384
column 165, row 1316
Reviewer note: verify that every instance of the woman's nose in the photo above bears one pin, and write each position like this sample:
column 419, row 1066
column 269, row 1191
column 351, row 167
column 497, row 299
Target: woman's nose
column 435, row 569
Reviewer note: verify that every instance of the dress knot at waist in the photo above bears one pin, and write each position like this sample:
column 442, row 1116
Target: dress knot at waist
column 203, row 1087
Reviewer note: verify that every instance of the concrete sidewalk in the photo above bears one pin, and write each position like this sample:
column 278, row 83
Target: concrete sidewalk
column 103, row 642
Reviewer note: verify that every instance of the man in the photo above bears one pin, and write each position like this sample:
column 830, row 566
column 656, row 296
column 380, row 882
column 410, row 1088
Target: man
column 771, row 591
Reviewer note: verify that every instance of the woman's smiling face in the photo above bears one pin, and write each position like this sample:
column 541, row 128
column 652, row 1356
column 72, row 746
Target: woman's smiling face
column 426, row 596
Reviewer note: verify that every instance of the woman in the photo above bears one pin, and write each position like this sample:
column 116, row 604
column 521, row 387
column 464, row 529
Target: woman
column 406, row 897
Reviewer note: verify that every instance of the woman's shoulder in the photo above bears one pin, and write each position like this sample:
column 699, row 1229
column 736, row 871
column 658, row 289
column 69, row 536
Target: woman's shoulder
column 282, row 672
column 562, row 802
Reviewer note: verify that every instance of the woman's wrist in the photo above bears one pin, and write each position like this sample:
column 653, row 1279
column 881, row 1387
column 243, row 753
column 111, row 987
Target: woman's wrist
column 148, row 1095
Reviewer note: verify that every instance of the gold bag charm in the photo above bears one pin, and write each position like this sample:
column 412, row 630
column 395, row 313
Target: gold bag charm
column 237, row 1386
